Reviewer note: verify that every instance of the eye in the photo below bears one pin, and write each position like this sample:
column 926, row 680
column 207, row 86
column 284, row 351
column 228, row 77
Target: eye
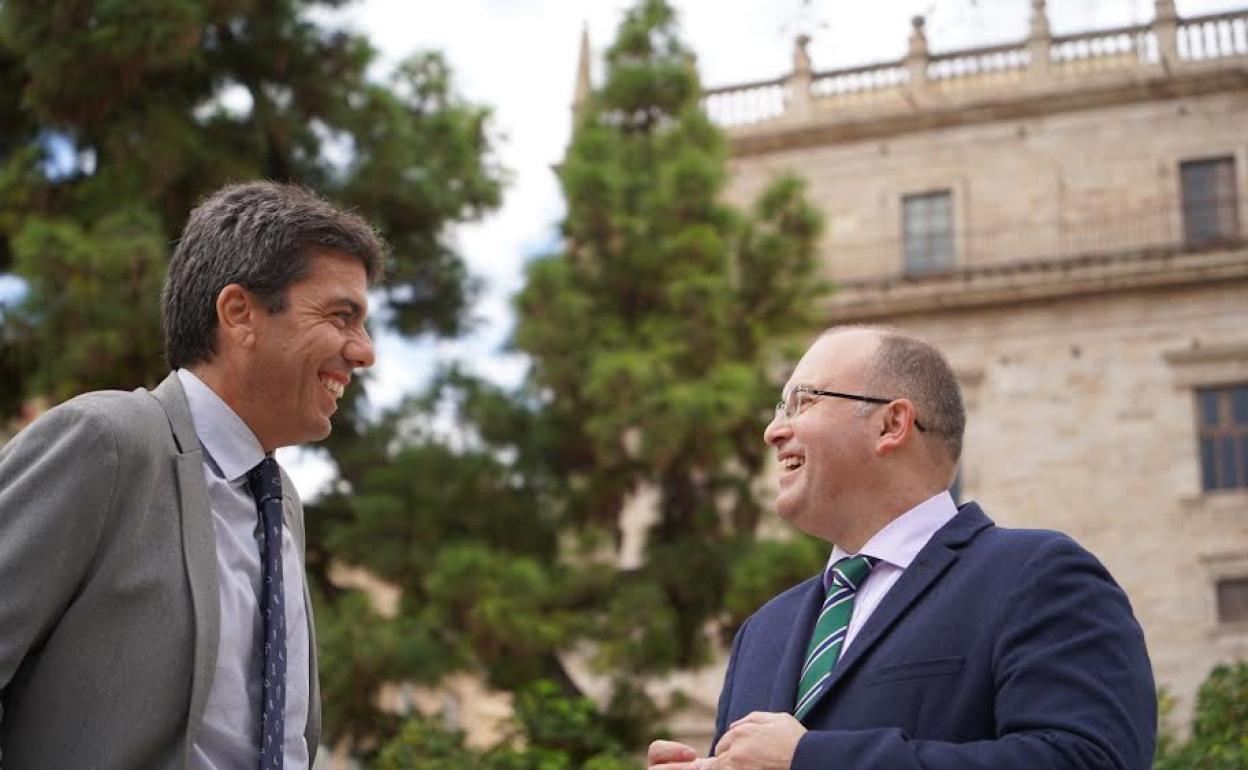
column 794, row 402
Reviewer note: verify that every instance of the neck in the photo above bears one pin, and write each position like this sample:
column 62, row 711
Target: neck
column 233, row 393
column 883, row 509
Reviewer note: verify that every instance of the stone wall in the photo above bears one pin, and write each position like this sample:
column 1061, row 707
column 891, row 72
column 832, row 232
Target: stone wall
column 1035, row 187
column 1082, row 418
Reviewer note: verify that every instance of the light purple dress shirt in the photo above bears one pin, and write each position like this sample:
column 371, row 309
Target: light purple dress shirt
column 229, row 736
column 895, row 546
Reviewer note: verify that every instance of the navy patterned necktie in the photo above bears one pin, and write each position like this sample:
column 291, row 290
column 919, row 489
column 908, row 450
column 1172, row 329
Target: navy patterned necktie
column 830, row 629
column 265, row 482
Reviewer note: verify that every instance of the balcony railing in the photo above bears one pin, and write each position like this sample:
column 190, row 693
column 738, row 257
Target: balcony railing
column 859, row 79
column 1213, row 37
column 1119, row 48
column 977, row 61
column 748, row 103
column 1041, row 59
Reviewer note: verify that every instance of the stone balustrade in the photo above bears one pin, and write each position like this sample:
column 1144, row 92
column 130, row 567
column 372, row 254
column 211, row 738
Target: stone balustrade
column 747, row 103
column 1213, row 37
column 977, row 61
column 1122, row 47
column 1041, row 60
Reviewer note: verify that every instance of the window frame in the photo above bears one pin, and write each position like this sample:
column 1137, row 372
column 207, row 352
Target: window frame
column 1202, row 227
column 932, row 259
column 1218, row 583
column 1227, row 430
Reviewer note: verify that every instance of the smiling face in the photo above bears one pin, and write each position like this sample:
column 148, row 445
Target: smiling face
column 825, row 451
column 300, row 359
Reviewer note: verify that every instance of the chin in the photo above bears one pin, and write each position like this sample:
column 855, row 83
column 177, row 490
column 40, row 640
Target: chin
column 798, row 517
column 321, row 433
column 789, row 503
column 787, row 511
column 312, row 432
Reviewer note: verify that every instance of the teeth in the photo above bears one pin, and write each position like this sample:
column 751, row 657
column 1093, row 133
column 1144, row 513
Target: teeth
column 792, row 463
column 334, row 387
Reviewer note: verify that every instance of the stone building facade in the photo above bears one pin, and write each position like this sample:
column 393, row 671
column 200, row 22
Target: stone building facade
column 1066, row 217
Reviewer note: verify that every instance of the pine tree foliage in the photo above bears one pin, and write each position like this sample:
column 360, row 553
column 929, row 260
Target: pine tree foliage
column 117, row 117
column 657, row 336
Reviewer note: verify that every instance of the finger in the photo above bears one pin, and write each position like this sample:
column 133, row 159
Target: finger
column 662, row 752
column 755, row 717
column 697, row 764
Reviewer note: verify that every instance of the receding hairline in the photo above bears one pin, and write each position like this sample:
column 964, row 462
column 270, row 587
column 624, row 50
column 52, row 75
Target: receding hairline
column 876, row 334
column 880, row 334
column 941, row 394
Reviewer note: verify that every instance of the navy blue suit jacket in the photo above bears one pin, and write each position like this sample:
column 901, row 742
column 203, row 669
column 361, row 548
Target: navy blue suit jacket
column 997, row 649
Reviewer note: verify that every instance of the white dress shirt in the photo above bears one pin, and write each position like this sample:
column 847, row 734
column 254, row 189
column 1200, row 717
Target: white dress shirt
column 229, row 737
column 895, row 546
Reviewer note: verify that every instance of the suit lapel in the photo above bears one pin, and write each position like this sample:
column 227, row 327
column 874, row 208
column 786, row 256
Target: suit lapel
column 199, row 544
column 931, row 562
column 784, row 686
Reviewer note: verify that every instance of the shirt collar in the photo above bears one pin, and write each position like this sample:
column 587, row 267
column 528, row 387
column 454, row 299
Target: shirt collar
column 222, row 433
column 902, row 538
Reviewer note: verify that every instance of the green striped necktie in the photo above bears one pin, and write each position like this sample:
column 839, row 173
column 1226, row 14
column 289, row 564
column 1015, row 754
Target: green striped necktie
column 829, row 635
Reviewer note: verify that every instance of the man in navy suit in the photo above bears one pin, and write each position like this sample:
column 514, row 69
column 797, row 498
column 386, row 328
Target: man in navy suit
column 934, row 640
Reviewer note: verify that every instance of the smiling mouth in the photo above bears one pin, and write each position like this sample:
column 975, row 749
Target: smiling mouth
column 333, row 387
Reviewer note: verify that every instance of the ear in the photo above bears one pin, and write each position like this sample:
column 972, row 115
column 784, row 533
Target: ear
column 237, row 311
column 896, row 426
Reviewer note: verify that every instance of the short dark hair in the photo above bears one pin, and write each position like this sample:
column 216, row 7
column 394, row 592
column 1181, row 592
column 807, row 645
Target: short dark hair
column 262, row 236
column 906, row 366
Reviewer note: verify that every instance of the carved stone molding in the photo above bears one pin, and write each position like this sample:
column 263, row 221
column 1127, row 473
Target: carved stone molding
column 1034, row 280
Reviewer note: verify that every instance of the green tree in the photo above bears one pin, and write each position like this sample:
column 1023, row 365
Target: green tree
column 656, row 336
column 1219, row 739
column 469, row 536
column 116, row 118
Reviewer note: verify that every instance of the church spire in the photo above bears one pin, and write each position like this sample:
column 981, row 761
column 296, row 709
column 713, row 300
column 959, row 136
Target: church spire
column 583, row 84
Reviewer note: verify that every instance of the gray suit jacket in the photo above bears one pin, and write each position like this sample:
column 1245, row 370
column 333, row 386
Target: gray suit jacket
column 108, row 586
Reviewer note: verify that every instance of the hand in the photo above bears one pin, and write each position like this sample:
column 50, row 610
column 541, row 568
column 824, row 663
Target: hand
column 670, row 755
column 761, row 740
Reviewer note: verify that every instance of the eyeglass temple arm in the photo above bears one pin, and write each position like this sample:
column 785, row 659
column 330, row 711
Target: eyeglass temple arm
column 856, row 397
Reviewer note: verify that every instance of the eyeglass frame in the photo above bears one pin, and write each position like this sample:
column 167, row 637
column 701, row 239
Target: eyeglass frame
column 783, row 409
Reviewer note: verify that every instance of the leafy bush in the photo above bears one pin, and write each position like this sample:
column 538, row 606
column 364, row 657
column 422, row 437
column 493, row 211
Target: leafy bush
column 1219, row 738
column 552, row 732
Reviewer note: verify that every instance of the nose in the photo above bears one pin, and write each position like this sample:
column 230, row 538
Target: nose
column 359, row 350
column 777, row 430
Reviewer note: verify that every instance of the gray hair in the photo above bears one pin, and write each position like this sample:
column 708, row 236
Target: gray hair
column 906, row 366
column 262, row 236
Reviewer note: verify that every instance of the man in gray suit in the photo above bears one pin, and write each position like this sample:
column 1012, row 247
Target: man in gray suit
column 153, row 611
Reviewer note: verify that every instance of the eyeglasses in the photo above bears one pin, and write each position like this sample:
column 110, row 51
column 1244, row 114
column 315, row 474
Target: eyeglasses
column 796, row 400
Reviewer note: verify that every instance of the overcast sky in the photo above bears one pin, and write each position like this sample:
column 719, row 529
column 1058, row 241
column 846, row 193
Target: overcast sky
column 519, row 58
